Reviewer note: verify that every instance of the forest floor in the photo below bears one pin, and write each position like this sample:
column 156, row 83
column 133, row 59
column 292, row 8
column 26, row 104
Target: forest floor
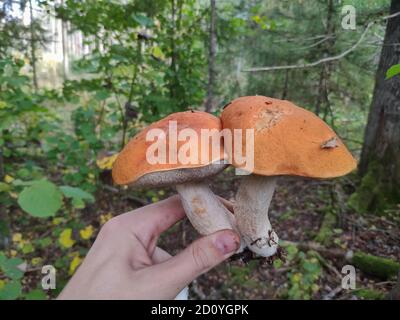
column 297, row 212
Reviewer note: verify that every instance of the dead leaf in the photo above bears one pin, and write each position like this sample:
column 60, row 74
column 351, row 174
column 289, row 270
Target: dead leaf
column 329, row 144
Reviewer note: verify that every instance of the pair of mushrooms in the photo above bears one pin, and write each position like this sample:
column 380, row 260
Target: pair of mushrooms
column 288, row 140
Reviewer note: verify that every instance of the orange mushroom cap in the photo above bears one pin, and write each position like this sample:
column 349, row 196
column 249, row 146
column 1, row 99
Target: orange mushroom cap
column 288, row 140
column 131, row 164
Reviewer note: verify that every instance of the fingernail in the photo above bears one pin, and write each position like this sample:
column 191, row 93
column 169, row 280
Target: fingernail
column 227, row 242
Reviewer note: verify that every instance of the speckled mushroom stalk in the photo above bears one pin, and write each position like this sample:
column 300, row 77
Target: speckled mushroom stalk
column 204, row 210
column 251, row 212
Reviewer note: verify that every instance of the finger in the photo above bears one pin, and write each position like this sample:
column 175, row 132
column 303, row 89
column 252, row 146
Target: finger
column 150, row 221
column 202, row 255
column 160, row 255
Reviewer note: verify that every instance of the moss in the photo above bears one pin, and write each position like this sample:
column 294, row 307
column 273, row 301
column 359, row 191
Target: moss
column 377, row 266
column 368, row 294
column 376, row 192
column 242, row 276
column 325, row 233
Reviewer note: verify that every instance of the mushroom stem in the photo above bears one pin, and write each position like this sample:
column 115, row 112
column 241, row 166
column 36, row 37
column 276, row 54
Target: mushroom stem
column 206, row 213
column 251, row 213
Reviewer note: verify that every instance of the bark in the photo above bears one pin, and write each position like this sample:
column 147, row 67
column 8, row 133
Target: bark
column 286, row 85
column 33, row 47
column 383, row 122
column 380, row 158
column 211, row 58
column 323, row 92
column 1, row 165
column 176, row 7
column 64, row 34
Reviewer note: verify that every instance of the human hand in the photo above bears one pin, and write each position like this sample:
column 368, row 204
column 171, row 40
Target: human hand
column 125, row 262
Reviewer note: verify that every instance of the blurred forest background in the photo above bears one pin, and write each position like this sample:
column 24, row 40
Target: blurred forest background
column 78, row 79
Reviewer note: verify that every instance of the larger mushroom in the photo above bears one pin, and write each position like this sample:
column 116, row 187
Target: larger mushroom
column 203, row 159
column 288, row 140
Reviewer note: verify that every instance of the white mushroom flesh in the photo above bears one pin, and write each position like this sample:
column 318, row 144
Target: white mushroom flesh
column 204, row 210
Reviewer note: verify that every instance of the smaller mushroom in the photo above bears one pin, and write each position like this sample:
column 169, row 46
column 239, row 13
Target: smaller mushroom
column 288, row 140
column 204, row 210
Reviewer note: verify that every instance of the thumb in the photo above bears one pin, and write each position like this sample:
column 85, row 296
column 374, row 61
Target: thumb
column 201, row 256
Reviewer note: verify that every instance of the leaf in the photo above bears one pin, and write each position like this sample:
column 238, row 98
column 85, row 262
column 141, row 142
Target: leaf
column 45, row 242
column 142, row 20
column 76, row 261
column 76, row 193
column 36, row 294
column 11, row 291
column 102, row 95
column 65, row 238
column 41, row 199
column 28, row 248
column 106, row 163
column 393, row 71
column 4, row 187
column 8, row 178
column 157, row 53
column 17, row 237
column 78, row 203
column 87, row 232
column 311, row 267
column 329, row 144
column 10, row 267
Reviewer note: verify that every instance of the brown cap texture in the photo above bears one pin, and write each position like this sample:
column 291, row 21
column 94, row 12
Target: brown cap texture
column 288, row 140
column 132, row 164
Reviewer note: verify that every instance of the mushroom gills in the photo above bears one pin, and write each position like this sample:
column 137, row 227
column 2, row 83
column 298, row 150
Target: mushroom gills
column 251, row 213
column 204, row 210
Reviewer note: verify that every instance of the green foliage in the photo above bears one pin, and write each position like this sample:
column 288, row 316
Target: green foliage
column 381, row 267
column 368, row 294
column 35, row 294
column 11, row 288
column 148, row 59
column 242, row 276
column 303, row 276
column 393, row 71
column 325, row 232
column 77, row 195
column 41, row 199
column 10, row 267
column 374, row 194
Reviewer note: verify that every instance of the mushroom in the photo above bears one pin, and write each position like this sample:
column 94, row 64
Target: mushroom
column 135, row 167
column 288, row 140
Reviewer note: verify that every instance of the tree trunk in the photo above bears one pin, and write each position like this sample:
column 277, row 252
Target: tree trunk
column 380, row 158
column 211, row 59
column 33, row 47
column 64, row 35
column 323, row 92
column 285, row 85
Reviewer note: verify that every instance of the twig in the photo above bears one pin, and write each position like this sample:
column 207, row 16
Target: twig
column 327, row 59
column 383, row 283
column 332, row 294
column 137, row 199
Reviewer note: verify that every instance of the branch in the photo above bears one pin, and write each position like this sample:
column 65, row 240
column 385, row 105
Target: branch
column 327, row 59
